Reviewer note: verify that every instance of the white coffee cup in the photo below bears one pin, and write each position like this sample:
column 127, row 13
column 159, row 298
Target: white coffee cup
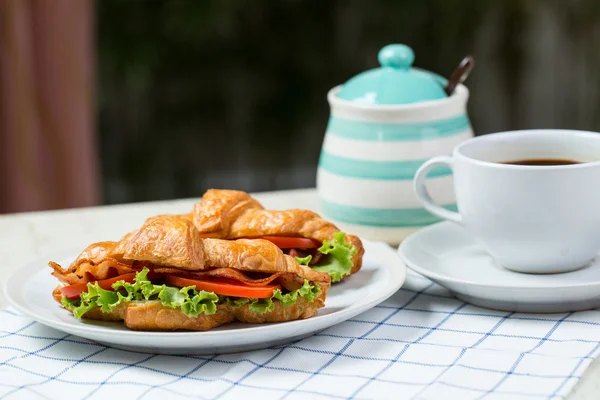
column 535, row 219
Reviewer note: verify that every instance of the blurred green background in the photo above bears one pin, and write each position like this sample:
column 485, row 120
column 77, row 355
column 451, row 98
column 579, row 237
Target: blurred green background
column 196, row 94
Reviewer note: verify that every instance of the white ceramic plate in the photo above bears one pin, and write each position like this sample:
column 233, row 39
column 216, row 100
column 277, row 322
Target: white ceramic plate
column 449, row 256
column 29, row 290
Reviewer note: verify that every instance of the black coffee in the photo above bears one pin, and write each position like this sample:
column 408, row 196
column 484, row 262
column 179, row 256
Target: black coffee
column 543, row 161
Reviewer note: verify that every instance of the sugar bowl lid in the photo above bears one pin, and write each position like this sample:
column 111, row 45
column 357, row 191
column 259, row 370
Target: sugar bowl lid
column 395, row 82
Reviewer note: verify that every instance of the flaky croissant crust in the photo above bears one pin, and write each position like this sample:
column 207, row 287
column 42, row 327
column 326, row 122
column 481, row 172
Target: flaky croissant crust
column 232, row 214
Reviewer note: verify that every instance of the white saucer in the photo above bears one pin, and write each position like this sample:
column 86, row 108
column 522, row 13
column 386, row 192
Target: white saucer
column 449, row 256
column 29, row 290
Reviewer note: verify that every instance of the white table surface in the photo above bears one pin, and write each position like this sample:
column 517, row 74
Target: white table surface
column 27, row 236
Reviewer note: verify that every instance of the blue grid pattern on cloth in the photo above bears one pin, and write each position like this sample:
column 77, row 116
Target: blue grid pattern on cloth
column 422, row 343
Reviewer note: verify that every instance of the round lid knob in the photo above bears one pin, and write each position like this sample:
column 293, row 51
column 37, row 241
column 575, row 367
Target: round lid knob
column 397, row 56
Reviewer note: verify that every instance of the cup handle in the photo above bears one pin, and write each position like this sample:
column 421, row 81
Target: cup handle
column 423, row 194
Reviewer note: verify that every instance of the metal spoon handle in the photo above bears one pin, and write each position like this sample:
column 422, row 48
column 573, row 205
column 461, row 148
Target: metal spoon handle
column 460, row 74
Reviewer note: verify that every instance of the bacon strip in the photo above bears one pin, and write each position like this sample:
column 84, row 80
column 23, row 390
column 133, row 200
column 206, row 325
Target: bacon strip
column 227, row 273
column 288, row 280
column 89, row 272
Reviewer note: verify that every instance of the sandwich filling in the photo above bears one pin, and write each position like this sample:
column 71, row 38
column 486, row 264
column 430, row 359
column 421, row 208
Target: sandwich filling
column 333, row 257
column 191, row 296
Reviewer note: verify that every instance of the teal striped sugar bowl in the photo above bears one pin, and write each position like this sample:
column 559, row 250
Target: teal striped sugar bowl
column 370, row 155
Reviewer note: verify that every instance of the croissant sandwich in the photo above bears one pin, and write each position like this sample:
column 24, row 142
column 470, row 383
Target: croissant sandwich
column 165, row 276
column 302, row 234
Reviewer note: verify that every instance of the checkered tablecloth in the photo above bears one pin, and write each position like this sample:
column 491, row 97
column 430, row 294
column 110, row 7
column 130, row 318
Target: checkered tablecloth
column 421, row 343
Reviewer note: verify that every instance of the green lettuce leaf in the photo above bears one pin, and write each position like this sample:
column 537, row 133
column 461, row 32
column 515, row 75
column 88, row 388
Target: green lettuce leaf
column 304, row 261
column 107, row 300
column 236, row 302
column 199, row 302
column 94, row 297
column 80, row 310
column 261, row 306
column 189, row 300
column 338, row 260
column 286, row 299
column 69, row 304
column 173, row 297
column 76, row 307
column 141, row 289
column 308, row 291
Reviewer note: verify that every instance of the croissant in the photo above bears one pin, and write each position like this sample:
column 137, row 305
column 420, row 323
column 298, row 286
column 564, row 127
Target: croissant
column 168, row 251
column 231, row 214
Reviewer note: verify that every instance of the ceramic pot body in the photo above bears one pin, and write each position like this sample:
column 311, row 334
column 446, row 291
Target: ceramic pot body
column 370, row 155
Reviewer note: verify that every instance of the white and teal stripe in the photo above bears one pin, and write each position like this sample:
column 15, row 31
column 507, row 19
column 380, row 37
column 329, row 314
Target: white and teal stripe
column 379, row 170
column 382, row 194
column 395, row 132
column 392, row 151
column 381, row 217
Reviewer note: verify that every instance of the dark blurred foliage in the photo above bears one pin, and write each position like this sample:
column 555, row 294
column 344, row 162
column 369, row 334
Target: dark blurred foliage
column 196, row 94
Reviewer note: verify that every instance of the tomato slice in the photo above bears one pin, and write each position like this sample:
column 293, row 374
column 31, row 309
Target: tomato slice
column 73, row 291
column 286, row 242
column 225, row 287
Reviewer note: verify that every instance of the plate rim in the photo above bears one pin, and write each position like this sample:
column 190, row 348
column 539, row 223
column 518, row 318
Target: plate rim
column 445, row 278
column 397, row 271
